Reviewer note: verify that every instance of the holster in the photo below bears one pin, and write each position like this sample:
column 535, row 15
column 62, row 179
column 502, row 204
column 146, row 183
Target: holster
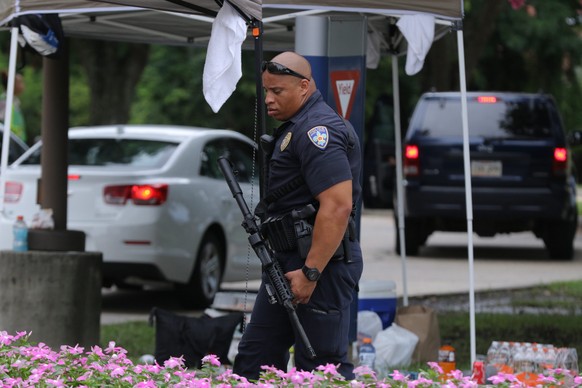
column 294, row 232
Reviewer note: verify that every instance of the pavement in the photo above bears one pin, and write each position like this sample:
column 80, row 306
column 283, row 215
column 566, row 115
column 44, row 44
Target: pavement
column 443, row 267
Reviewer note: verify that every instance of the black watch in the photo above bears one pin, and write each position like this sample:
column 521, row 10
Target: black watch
column 312, row 274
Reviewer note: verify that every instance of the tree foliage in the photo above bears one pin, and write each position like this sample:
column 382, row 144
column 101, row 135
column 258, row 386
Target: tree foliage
column 509, row 45
column 171, row 92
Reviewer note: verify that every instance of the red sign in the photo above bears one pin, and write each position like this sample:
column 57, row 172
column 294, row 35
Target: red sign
column 345, row 85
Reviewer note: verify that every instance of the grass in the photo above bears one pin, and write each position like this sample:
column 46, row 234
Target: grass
column 138, row 338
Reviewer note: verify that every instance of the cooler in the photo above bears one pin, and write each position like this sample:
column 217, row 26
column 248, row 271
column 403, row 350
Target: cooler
column 378, row 296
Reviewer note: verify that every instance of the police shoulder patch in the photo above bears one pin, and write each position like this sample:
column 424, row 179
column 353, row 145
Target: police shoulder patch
column 319, row 136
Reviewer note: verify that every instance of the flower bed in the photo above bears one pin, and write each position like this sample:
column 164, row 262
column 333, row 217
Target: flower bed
column 23, row 364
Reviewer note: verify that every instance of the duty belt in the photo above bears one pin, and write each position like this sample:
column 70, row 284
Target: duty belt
column 293, row 232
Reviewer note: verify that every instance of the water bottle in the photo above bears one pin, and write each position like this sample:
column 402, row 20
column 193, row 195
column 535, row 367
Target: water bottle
column 20, row 232
column 492, row 352
column 367, row 354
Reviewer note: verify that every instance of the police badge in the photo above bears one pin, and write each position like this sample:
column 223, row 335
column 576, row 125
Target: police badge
column 319, row 136
column 286, row 141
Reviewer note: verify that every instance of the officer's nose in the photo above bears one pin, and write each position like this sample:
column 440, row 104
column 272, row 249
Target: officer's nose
column 268, row 98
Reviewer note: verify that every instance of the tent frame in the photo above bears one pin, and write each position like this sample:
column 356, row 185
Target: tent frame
column 302, row 7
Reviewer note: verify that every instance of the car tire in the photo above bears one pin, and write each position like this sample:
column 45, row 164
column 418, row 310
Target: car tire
column 204, row 283
column 413, row 236
column 559, row 239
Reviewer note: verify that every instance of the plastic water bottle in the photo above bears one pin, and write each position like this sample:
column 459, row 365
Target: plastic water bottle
column 367, row 354
column 492, row 352
column 20, row 232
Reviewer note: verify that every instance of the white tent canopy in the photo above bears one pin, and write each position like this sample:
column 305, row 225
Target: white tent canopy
column 187, row 22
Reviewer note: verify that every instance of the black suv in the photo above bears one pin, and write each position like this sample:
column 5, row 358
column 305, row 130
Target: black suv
column 522, row 178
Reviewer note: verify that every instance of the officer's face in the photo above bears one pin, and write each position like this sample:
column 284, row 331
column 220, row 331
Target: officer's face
column 284, row 94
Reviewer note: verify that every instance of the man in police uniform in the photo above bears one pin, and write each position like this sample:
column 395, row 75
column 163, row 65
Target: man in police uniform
column 316, row 147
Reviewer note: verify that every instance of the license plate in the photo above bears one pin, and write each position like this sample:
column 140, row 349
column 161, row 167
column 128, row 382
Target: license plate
column 486, row 168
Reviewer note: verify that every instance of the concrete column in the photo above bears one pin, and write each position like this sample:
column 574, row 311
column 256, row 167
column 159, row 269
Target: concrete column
column 54, row 295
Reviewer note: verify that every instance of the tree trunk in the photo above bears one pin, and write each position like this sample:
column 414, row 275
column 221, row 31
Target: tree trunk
column 113, row 71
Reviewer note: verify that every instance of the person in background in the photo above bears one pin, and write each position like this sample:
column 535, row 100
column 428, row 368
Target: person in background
column 315, row 164
column 18, row 126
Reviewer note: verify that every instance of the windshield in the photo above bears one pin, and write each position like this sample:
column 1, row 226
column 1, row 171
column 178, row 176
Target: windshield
column 522, row 118
column 114, row 152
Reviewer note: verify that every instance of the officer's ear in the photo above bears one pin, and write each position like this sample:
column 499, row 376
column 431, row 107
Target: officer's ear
column 307, row 85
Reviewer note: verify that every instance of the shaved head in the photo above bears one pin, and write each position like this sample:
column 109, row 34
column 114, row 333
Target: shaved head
column 294, row 62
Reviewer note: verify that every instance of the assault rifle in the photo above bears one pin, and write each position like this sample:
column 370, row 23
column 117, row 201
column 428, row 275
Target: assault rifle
column 278, row 287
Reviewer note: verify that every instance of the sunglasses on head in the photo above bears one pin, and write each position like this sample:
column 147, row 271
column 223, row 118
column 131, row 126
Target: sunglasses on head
column 277, row 68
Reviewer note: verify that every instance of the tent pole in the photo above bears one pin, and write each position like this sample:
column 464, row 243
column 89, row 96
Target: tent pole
column 468, row 197
column 399, row 175
column 8, row 113
column 260, row 106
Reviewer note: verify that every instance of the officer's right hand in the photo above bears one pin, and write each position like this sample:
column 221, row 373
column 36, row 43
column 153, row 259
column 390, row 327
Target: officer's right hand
column 301, row 287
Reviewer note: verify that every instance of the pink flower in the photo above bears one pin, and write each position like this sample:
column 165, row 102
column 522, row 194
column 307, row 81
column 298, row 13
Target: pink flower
column 5, row 338
column 55, row 383
column 174, row 362
column 456, row 374
column 117, row 371
column 72, row 350
column 397, row 376
column 97, row 351
column 329, row 369
column 85, row 376
column 211, row 359
column 364, row 370
column 146, row 384
column 497, row 379
column 546, row 379
column 435, row 366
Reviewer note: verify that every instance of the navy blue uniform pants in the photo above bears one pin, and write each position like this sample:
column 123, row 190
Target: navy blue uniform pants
column 326, row 320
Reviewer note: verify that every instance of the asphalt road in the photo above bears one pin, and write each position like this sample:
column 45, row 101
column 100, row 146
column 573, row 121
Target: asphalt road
column 504, row 262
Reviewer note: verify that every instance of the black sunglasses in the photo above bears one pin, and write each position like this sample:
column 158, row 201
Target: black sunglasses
column 277, row 68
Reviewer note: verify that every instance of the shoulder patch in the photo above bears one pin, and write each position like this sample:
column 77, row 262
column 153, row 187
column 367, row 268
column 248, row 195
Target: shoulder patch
column 319, row 136
column 286, row 141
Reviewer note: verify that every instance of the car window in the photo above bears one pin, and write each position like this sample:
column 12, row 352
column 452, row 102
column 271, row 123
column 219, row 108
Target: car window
column 239, row 153
column 210, row 153
column 115, row 152
column 515, row 118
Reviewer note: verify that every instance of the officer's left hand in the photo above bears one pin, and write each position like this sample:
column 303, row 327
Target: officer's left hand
column 300, row 286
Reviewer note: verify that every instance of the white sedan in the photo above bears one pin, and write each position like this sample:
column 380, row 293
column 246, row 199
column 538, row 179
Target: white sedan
column 152, row 199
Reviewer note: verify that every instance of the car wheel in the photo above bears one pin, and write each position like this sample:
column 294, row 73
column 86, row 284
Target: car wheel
column 559, row 239
column 413, row 237
column 204, row 283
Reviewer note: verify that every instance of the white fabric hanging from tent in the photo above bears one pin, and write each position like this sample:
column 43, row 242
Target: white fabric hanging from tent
column 222, row 68
column 419, row 33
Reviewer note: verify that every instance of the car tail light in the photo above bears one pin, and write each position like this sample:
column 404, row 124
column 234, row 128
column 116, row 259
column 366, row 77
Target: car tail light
column 411, row 160
column 12, row 192
column 560, row 161
column 138, row 194
column 487, row 99
column 74, row 177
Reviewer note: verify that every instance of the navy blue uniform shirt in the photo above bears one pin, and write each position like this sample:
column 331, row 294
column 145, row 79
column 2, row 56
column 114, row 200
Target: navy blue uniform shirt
column 320, row 146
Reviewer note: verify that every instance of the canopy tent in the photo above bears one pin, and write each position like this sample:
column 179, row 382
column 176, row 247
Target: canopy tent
column 186, row 22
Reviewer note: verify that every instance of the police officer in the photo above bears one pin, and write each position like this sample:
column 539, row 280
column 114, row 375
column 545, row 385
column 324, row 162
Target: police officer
column 316, row 147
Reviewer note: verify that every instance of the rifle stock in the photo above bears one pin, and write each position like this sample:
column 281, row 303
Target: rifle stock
column 279, row 285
